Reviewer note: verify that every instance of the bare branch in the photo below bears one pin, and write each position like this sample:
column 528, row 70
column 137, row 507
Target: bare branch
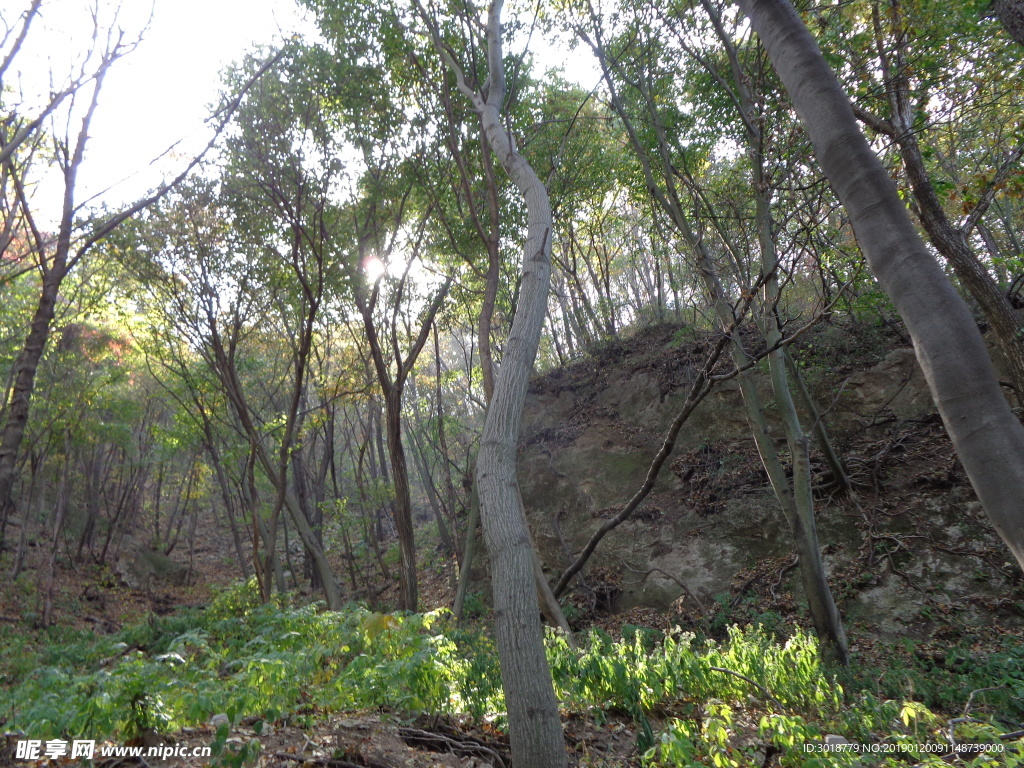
column 224, row 114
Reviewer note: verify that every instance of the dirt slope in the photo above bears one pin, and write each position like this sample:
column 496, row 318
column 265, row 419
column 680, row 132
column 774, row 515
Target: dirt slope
column 910, row 545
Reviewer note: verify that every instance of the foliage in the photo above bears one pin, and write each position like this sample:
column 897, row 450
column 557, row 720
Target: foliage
column 297, row 664
column 945, row 682
column 643, row 672
column 243, row 658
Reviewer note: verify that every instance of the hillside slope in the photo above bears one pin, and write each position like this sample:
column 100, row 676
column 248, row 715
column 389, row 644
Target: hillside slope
column 908, row 551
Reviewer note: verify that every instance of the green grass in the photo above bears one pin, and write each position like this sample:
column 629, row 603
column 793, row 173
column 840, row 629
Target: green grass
column 297, row 665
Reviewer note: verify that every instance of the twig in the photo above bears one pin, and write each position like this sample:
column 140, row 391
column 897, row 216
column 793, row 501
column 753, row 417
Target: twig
column 685, row 588
column 967, row 710
column 970, row 699
column 782, row 573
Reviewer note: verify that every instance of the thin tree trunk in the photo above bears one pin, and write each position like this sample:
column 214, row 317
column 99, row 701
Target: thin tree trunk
column 60, row 511
column 229, row 503
column 420, row 460
column 840, row 478
column 795, row 506
column 798, row 498
column 26, row 517
column 442, row 438
column 402, row 501
column 468, row 554
column 392, row 387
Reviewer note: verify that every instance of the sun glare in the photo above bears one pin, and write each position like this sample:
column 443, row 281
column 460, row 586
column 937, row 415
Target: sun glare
column 374, row 268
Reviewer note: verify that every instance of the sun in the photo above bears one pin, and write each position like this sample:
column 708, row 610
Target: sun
column 374, row 268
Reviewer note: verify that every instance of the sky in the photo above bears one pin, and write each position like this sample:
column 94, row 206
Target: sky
column 160, row 94
column 157, row 95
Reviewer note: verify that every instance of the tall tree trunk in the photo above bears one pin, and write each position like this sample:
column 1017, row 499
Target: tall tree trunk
column 392, row 387
column 403, row 499
column 493, row 244
column 54, row 271
column 796, row 498
column 987, row 436
column 535, row 729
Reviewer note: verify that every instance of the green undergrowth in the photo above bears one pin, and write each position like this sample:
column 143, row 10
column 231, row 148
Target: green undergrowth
column 694, row 702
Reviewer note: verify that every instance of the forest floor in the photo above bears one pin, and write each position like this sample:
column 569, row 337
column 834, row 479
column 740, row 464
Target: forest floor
column 89, row 597
column 92, row 597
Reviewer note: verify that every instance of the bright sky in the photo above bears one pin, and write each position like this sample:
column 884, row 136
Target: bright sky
column 160, row 93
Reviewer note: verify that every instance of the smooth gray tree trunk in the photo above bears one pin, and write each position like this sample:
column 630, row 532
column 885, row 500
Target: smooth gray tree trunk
column 535, row 728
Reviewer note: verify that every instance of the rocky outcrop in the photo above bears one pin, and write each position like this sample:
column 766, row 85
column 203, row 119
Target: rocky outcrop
column 911, row 541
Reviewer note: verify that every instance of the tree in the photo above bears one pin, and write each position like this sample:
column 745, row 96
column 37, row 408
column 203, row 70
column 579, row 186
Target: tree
column 392, row 375
column 534, row 724
column 905, row 118
column 986, row 435
column 667, row 153
column 57, row 256
column 223, row 282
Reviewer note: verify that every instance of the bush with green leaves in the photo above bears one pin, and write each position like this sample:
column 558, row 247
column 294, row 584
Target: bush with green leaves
column 721, row 703
column 644, row 670
column 257, row 660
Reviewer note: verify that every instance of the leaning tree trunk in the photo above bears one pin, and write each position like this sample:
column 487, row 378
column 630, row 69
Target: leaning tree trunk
column 987, row 436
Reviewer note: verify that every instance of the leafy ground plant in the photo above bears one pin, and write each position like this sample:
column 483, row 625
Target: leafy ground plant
column 693, row 701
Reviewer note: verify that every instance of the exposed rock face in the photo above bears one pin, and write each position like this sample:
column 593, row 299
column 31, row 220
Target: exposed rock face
column 912, row 542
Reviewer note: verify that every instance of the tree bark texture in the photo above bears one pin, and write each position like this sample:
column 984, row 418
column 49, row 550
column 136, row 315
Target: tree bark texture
column 987, row 436
column 536, row 733
column 1011, row 15
column 534, row 724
